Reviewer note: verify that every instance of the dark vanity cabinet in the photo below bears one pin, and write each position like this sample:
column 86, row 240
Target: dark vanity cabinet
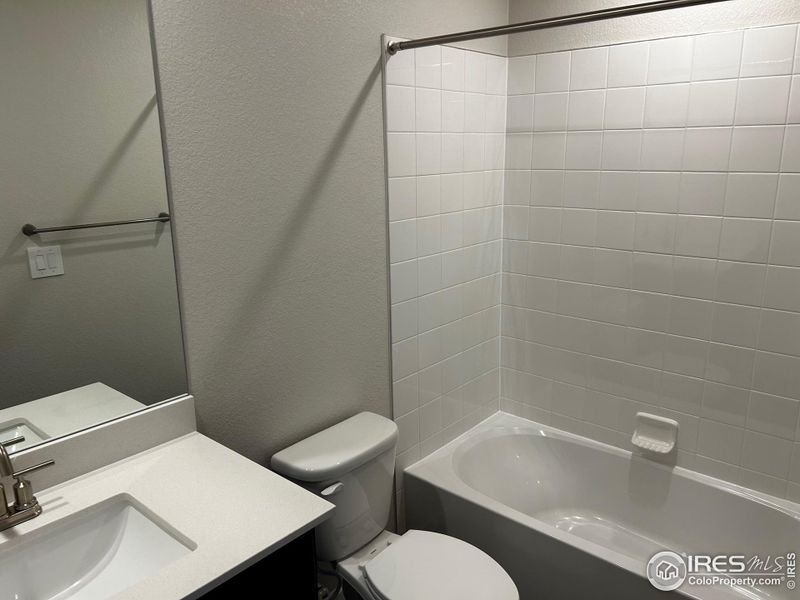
column 289, row 573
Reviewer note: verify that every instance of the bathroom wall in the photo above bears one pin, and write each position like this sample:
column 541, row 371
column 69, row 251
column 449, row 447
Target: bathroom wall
column 720, row 16
column 445, row 119
column 274, row 127
column 652, row 246
column 81, row 143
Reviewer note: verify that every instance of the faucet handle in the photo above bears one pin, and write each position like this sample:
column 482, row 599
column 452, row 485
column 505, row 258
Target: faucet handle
column 12, row 441
column 25, row 471
column 17, row 440
column 25, row 506
column 23, row 491
column 23, row 495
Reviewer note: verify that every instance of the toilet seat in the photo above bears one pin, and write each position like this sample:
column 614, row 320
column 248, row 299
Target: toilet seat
column 425, row 565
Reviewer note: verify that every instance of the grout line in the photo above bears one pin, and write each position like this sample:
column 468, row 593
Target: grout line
column 697, row 416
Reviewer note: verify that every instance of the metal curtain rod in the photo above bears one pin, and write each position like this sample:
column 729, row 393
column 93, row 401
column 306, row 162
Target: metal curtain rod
column 584, row 17
column 29, row 229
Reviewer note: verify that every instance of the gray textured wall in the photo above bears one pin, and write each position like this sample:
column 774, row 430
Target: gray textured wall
column 274, row 125
column 731, row 14
column 81, row 142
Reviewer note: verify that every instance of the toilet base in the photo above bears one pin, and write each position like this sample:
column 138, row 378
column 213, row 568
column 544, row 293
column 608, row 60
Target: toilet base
column 350, row 568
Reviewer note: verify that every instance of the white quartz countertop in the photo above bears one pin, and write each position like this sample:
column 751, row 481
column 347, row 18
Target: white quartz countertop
column 233, row 509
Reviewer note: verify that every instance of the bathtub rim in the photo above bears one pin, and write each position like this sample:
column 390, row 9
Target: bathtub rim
column 438, row 470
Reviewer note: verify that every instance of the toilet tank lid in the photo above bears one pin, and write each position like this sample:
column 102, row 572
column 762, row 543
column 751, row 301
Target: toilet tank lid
column 338, row 449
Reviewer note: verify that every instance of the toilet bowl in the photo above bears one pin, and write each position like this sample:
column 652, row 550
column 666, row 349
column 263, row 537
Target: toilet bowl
column 424, row 564
column 351, row 464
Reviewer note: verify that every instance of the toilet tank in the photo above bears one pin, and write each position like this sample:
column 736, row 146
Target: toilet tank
column 350, row 464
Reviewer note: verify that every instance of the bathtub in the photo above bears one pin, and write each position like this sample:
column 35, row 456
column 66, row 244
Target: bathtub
column 572, row 518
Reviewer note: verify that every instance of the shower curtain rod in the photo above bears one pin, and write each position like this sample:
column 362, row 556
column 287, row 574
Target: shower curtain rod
column 584, row 17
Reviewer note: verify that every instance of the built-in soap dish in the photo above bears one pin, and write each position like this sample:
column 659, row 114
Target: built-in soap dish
column 654, row 433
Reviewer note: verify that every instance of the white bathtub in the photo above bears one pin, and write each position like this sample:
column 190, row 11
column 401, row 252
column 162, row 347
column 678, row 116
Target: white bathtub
column 571, row 518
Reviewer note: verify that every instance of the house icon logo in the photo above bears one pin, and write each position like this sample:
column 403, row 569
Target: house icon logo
column 666, row 571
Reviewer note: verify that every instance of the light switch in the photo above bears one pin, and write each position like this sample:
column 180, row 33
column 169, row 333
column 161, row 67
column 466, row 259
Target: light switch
column 45, row 261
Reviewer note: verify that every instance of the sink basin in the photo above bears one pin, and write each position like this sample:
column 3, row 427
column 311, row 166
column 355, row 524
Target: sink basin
column 21, row 427
column 91, row 555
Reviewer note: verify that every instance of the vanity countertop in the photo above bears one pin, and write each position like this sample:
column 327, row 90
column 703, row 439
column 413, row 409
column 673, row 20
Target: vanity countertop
column 233, row 509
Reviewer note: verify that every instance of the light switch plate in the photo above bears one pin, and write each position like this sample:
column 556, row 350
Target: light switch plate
column 45, row 261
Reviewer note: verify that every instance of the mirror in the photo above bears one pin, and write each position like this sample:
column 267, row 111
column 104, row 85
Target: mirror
column 89, row 319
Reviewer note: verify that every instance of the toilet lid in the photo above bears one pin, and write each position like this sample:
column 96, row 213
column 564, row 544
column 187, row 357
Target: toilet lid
column 423, row 565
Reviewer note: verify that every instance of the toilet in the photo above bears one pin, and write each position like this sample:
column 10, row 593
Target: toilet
column 351, row 465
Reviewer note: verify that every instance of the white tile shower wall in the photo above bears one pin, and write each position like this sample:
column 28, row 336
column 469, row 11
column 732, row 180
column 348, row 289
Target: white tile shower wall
column 651, row 252
column 446, row 120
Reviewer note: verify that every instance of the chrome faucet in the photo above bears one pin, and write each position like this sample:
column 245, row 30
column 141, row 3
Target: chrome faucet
column 6, row 468
column 26, row 506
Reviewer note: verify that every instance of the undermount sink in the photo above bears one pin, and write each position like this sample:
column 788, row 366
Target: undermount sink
column 91, row 555
column 21, row 428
